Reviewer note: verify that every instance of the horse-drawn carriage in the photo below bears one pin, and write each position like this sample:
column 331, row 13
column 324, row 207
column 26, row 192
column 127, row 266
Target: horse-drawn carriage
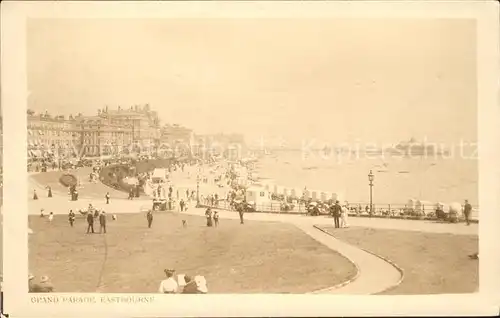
column 317, row 208
column 159, row 205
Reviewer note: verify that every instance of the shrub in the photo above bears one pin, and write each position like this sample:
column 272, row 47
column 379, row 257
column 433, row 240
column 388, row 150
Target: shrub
column 68, row 180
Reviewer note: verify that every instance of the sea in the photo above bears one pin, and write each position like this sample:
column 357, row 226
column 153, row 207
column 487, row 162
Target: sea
column 397, row 179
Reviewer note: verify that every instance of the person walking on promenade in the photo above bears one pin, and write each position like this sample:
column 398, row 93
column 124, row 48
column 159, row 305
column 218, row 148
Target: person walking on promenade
column 216, row 218
column 71, row 217
column 49, row 194
column 90, row 222
column 149, row 217
column 336, row 214
column 51, row 216
column 102, row 221
column 107, row 197
column 35, row 196
column 467, row 211
column 181, row 205
column 239, row 208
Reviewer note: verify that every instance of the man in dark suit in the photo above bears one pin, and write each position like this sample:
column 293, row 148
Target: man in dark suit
column 241, row 211
column 90, row 222
column 71, row 217
column 149, row 216
column 336, row 209
column 467, row 211
column 102, row 221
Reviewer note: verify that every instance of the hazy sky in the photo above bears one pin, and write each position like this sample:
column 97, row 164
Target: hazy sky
column 330, row 79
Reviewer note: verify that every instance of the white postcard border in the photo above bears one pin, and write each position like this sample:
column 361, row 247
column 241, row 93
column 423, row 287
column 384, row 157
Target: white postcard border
column 19, row 304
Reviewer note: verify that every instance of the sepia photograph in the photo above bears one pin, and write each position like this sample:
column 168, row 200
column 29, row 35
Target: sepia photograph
column 228, row 151
column 255, row 155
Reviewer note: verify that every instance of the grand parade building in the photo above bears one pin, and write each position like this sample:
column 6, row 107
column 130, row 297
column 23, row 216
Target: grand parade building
column 111, row 131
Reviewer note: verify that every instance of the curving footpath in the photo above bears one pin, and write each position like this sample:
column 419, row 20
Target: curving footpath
column 374, row 274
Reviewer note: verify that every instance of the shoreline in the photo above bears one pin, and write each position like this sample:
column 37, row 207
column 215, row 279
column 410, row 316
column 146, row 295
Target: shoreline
column 408, row 179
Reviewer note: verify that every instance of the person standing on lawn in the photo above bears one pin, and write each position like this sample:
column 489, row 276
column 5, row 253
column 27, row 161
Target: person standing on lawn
column 90, row 222
column 467, row 211
column 51, row 217
column 169, row 285
column 71, row 217
column 35, row 196
column 49, row 194
column 208, row 215
column 149, row 216
column 343, row 216
column 102, row 221
column 337, row 210
column 216, row 218
column 239, row 208
column 107, row 197
column 190, row 287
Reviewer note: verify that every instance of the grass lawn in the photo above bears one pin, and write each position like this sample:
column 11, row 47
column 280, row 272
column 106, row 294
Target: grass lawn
column 432, row 263
column 257, row 257
column 87, row 189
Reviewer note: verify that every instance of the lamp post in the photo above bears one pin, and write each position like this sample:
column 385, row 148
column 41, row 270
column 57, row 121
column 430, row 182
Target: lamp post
column 371, row 177
column 197, row 190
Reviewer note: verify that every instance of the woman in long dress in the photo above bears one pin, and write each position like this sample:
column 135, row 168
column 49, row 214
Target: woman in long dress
column 343, row 217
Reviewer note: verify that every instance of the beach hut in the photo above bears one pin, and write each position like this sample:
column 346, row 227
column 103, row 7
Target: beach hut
column 159, row 176
column 315, row 195
column 306, row 193
column 287, row 192
column 411, row 204
column 296, row 193
column 258, row 194
column 279, row 190
column 444, row 206
column 275, row 189
column 424, row 207
column 325, row 196
column 269, row 187
column 455, row 211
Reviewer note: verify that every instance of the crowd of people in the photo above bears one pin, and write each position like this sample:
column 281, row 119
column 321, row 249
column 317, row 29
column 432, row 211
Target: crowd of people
column 43, row 285
column 183, row 285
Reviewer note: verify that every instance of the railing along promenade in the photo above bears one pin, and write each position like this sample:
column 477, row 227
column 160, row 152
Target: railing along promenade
column 392, row 211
